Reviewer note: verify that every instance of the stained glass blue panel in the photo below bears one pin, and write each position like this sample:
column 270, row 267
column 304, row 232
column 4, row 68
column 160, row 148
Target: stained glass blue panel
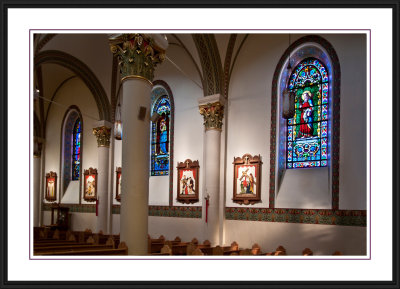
column 308, row 129
column 160, row 137
column 76, row 150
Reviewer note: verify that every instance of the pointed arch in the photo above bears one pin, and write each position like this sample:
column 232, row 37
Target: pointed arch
column 83, row 71
column 319, row 48
column 71, row 153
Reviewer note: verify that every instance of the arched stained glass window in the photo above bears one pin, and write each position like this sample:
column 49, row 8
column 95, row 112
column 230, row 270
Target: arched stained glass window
column 76, row 150
column 307, row 138
column 160, row 137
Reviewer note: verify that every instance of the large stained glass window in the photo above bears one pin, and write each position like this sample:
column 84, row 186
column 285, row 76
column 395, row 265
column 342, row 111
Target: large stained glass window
column 76, row 150
column 160, row 137
column 307, row 139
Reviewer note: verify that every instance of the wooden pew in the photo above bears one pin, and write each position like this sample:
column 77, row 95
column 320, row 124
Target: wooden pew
column 165, row 250
column 155, row 245
column 177, row 248
column 72, row 248
column 197, row 252
column 122, row 250
column 255, row 249
column 56, row 244
column 279, row 251
column 307, row 252
column 195, row 245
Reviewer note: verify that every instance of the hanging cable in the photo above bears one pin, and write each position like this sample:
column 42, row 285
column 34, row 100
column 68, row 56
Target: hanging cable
column 174, row 64
column 64, row 106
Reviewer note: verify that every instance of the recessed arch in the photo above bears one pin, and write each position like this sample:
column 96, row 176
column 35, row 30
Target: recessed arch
column 67, row 126
column 161, row 88
column 328, row 52
column 83, row 71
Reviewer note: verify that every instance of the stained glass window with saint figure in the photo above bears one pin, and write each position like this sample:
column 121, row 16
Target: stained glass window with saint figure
column 160, row 137
column 76, row 150
column 307, row 131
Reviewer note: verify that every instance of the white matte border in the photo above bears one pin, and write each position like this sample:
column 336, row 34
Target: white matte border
column 19, row 265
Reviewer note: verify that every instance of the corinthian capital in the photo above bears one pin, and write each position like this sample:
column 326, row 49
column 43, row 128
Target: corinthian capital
column 212, row 110
column 102, row 134
column 138, row 54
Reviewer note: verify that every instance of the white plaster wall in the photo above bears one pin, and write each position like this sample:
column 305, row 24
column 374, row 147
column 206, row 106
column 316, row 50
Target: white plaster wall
column 249, row 107
column 353, row 120
column 83, row 221
column 188, row 125
column 312, row 189
column 321, row 239
column 78, row 221
column 74, row 92
column 115, row 218
column 185, row 228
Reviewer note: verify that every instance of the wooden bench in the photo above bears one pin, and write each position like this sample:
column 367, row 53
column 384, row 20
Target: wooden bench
column 51, row 244
column 165, row 250
column 122, row 250
column 90, row 252
column 60, row 249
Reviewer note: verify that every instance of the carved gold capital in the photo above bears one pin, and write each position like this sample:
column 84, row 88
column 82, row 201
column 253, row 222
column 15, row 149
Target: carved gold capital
column 213, row 113
column 138, row 55
column 102, row 134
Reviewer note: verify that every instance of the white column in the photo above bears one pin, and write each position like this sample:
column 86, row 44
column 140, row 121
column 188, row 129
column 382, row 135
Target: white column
column 36, row 189
column 135, row 165
column 211, row 107
column 102, row 131
column 37, row 161
column 138, row 55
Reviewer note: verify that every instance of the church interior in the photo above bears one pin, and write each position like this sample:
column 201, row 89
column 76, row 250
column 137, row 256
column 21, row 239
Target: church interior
column 202, row 144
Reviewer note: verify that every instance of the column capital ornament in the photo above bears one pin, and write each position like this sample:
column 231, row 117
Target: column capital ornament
column 138, row 55
column 213, row 113
column 37, row 146
column 102, row 134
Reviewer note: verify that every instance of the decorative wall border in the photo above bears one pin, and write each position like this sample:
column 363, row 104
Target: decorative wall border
column 211, row 65
column 156, row 211
column 73, row 208
column 299, row 216
column 176, row 211
column 335, row 116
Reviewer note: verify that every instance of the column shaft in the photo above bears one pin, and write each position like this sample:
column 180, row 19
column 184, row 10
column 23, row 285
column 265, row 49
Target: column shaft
column 36, row 190
column 212, row 172
column 102, row 189
column 135, row 165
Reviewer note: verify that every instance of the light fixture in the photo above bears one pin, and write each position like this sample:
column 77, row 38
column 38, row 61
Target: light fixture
column 36, row 93
column 287, row 95
column 118, row 123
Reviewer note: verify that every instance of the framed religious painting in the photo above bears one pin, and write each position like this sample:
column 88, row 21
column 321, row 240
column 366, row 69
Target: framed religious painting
column 51, row 186
column 188, row 180
column 90, row 185
column 118, row 180
column 247, row 179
